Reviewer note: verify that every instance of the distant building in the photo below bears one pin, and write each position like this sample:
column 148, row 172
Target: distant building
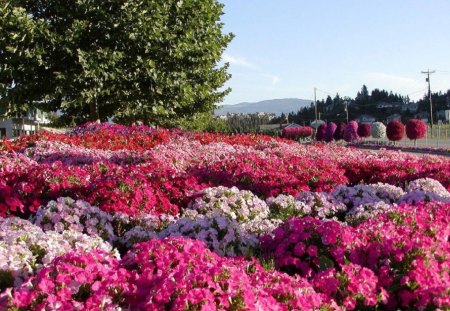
column 382, row 105
column 365, row 118
column 423, row 115
column 28, row 124
column 411, row 107
column 443, row 115
column 273, row 127
column 394, row 116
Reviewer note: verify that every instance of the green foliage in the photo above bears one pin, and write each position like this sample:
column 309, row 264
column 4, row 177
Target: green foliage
column 201, row 122
column 137, row 60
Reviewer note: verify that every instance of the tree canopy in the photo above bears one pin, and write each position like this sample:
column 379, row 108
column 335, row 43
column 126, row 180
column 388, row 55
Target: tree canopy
column 149, row 60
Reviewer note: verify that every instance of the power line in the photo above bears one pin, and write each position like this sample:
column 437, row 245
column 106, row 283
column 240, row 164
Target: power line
column 416, row 92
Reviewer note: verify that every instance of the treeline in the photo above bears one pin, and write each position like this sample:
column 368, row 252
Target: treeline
column 378, row 103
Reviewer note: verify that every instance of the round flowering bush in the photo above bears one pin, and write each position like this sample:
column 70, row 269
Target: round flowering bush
column 331, row 129
column 395, row 130
column 339, row 132
column 352, row 286
column 119, row 229
column 351, row 132
column 139, row 228
column 283, row 207
column 364, row 194
column 25, row 248
column 321, row 132
column 221, row 234
column 378, row 130
column 388, row 193
column 68, row 214
column 307, row 245
column 320, row 204
column 364, row 129
column 408, row 249
column 425, row 190
column 363, row 212
column 417, row 196
column 415, row 129
column 75, row 281
column 241, row 205
column 428, row 185
column 180, row 274
column 297, row 132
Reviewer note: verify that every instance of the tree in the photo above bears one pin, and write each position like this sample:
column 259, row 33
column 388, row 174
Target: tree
column 395, row 130
column 415, row 129
column 151, row 60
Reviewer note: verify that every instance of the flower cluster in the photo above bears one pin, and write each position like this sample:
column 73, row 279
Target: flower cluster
column 364, row 194
column 68, row 214
column 25, row 248
column 118, row 229
column 342, row 227
column 396, row 260
column 223, row 235
column 428, row 185
column 236, row 204
column 75, row 281
column 177, row 274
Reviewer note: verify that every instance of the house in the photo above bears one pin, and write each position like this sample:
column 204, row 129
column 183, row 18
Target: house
column 443, row 115
column 423, row 115
column 411, row 107
column 272, row 127
column 382, row 105
column 28, row 124
column 394, row 116
column 365, row 118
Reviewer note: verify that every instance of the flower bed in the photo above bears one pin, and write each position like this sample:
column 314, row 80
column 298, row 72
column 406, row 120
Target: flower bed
column 109, row 217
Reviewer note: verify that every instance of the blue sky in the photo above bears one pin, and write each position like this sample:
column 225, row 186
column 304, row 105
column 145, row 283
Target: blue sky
column 285, row 48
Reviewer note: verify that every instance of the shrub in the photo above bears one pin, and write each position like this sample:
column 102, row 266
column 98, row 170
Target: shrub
column 416, row 129
column 339, row 132
column 296, row 133
column 395, row 130
column 331, row 128
column 378, row 130
column 351, row 132
column 364, row 129
column 321, row 132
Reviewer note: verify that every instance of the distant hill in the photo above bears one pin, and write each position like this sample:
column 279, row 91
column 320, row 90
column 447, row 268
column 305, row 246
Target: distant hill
column 277, row 106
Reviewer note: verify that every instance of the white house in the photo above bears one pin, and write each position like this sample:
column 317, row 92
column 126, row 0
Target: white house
column 443, row 115
column 411, row 107
column 394, row 116
column 29, row 124
column 365, row 118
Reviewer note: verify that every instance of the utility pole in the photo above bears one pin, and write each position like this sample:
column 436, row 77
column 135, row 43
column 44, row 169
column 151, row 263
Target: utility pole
column 315, row 103
column 428, row 72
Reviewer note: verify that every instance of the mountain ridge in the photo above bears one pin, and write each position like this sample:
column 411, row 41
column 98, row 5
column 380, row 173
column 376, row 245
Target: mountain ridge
column 277, row 106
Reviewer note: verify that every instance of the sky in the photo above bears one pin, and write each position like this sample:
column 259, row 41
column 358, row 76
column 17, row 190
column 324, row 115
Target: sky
column 286, row 48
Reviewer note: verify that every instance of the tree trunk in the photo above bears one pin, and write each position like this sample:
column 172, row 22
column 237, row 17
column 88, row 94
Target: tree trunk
column 94, row 111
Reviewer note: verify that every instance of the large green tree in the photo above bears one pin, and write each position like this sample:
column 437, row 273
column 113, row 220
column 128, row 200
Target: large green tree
column 152, row 60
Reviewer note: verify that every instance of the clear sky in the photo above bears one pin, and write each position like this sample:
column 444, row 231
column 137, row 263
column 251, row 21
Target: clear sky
column 285, row 48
